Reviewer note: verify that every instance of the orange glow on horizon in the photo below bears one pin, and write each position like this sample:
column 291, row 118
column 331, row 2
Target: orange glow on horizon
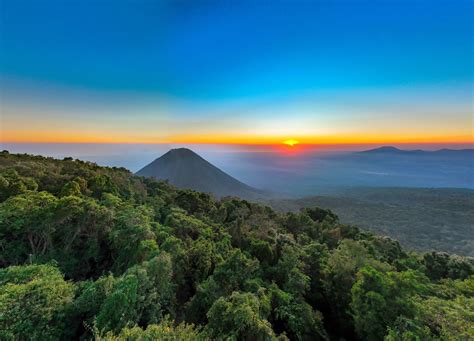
column 242, row 139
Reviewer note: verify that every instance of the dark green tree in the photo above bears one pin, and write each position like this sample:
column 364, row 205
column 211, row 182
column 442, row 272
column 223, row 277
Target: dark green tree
column 33, row 302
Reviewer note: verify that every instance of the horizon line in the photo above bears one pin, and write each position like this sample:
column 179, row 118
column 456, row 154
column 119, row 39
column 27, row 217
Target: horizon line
column 382, row 143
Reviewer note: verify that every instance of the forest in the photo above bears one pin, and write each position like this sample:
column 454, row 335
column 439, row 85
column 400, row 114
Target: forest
column 90, row 252
column 421, row 219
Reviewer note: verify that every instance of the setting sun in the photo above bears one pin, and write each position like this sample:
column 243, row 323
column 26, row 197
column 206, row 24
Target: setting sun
column 291, row 142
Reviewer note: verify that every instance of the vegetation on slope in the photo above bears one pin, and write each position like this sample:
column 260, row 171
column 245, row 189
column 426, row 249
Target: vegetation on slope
column 421, row 219
column 94, row 252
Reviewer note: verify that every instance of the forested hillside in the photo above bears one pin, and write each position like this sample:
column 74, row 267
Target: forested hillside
column 422, row 219
column 91, row 252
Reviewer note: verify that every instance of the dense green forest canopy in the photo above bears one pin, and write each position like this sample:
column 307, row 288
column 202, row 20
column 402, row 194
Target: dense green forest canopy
column 93, row 252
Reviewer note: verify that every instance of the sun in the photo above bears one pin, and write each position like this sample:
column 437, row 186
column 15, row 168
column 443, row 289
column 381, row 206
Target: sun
column 291, row 142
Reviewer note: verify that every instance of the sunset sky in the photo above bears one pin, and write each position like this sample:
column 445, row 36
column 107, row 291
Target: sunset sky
column 246, row 72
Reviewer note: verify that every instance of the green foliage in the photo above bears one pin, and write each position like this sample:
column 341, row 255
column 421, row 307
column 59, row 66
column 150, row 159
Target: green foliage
column 199, row 204
column 421, row 219
column 41, row 227
column 11, row 184
column 163, row 331
column 319, row 215
column 71, row 188
column 240, row 317
column 33, row 302
column 102, row 183
column 340, row 275
column 449, row 314
column 408, row 329
column 144, row 293
column 449, row 319
column 233, row 274
column 298, row 319
column 143, row 260
column 132, row 239
column 379, row 299
column 442, row 265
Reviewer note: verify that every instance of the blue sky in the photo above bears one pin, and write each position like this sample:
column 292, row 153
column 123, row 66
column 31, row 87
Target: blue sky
column 208, row 61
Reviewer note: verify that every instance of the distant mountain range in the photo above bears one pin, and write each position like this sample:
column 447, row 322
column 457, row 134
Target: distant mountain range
column 394, row 150
column 185, row 169
column 312, row 174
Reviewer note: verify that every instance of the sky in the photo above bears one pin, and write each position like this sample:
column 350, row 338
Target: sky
column 237, row 72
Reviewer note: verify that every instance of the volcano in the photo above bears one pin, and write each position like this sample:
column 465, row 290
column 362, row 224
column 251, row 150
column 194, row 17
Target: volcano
column 184, row 168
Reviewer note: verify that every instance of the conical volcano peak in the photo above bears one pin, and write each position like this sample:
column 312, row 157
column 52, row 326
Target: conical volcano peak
column 184, row 151
column 181, row 153
column 185, row 169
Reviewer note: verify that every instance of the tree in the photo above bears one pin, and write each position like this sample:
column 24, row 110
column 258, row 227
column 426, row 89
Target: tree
column 185, row 226
column 339, row 277
column 132, row 238
column 11, row 184
column 240, row 316
column 294, row 316
column 231, row 275
column 166, row 330
column 195, row 203
column 71, row 188
column 33, row 302
column 24, row 230
column 289, row 272
column 319, row 215
column 449, row 314
column 408, row 329
column 4, row 185
column 442, row 265
column 37, row 226
column 315, row 257
column 140, row 295
column 379, row 299
column 102, row 183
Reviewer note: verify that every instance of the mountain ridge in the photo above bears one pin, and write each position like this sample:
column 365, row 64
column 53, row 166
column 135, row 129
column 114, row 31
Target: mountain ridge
column 395, row 150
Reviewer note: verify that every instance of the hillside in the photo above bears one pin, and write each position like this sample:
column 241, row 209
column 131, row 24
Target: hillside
column 185, row 169
column 90, row 252
column 421, row 219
